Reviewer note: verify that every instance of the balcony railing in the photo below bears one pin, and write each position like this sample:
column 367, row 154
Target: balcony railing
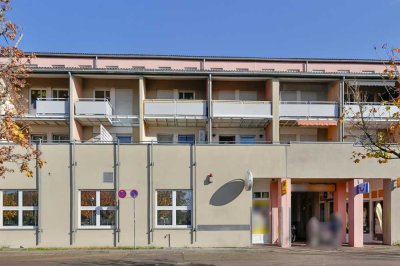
column 175, row 108
column 90, row 107
column 371, row 110
column 242, row 109
column 52, row 107
column 309, row 109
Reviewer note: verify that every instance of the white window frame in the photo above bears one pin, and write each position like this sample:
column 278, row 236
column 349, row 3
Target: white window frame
column 186, row 91
column 173, row 208
column 20, row 208
column 102, row 90
column 96, row 208
column 58, row 91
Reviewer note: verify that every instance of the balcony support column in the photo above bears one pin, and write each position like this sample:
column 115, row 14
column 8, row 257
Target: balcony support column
column 142, row 90
column 272, row 94
column 209, row 103
column 339, row 205
column 356, row 235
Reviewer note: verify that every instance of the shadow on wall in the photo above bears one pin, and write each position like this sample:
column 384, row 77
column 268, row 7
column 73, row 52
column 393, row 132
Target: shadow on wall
column 227, row 193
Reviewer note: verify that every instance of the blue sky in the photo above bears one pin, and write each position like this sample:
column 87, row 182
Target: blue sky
column 267, row 28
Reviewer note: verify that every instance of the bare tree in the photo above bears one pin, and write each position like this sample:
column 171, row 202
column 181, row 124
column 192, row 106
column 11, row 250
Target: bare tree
column 375, row 123
column 16, row 150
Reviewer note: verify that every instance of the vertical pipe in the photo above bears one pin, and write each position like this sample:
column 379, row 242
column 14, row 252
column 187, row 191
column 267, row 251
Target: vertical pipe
column 38, row 172
column 71, row 192
column 116, row 186
column 210, row 109
column 150, row 192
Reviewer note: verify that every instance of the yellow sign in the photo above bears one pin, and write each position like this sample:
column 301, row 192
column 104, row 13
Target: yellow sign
column 398, row 182
column 284, row 187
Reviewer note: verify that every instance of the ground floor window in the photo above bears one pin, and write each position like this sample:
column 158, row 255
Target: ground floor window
column 174, row 208
column 97, row 208
column 19, row 208
column 124, row 139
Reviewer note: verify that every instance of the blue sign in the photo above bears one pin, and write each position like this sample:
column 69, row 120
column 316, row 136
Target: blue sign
column 362, row 188
column 134, row 193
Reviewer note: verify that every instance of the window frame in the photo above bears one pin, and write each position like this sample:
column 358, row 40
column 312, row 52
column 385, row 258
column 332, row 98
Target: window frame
column 104, row 91
column 97, row 208
column 186, row 92
column 58, row 91
column 20, row 208
column 173, row 208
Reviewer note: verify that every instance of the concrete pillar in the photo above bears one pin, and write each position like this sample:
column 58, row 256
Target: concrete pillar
column 75, row 92
column 210, row 111
column 274, row 212
column 391, row 214
column 142, row 90
column 285, row 202
column 356, row 235
column 339, row 205
column 272, row 94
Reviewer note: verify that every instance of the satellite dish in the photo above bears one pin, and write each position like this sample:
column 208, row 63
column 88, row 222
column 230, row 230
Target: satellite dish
column 248, row 180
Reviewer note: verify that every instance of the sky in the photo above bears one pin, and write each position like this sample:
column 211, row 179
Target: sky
column 260, row 28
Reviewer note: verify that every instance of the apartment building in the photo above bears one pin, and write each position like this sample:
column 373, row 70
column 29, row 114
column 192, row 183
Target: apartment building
column 188, row 134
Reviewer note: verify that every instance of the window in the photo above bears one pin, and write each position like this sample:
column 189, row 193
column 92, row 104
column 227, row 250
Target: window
column 165, row 138
column 97, row 208
column 101, row 95
column 227, row 139
column 242, row 69
column 343, row 71
column 318, row 71
column 174, row 208
column 268, row 69
column 60, row 138
column 191, row 68
column 139, row 67
column 112, row 67
column 368, row 71
column 217, row 69
column 36, row 138
column 165, row 68
column 124, row 139
column 60, row 94
column 260, row 195
column 19, row 208
column 293, row 70
column 186, row 95
column 35, row 95
column 185, row 138
column 58, row 66
column 247, row 139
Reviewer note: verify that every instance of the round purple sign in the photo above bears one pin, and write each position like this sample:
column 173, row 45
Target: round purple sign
column 134, row 193
column 122, row 193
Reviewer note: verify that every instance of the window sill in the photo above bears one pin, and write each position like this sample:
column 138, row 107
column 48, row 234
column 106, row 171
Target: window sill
column 95, row 228
column 172, row 228
column 16, row 228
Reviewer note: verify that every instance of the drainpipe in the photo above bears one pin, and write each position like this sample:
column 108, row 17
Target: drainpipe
column 210, row 109
column 306, row 67
column 95, row 61
column 116, row 187
column 38, row 188
column 72, row 165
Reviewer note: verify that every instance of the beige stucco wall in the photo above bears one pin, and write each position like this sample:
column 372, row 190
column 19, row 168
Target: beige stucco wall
column 224, row 202
column 239, row 85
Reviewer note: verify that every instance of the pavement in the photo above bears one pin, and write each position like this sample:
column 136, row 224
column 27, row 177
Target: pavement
column 257, row 255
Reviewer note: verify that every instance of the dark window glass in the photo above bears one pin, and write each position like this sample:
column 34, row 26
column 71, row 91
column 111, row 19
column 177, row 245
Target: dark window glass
column 164, row 217
column 88, row 218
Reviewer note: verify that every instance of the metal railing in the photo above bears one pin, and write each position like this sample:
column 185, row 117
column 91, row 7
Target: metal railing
column 328, row 109
column 175, row 108
column 93, row 106
column 239, row 108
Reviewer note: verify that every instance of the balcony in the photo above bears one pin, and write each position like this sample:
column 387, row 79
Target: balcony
column 175, row 112
column 93, row 111
column 241, row 113
column 371, row 110
column 49, row 111
column 292, row 110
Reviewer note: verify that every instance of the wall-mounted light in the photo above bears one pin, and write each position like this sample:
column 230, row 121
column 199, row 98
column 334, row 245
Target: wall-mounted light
column 261, row 136
column 209, row 178
column 214, row 135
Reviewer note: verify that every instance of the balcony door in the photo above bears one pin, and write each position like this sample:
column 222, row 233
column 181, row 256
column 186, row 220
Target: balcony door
column 36, row 94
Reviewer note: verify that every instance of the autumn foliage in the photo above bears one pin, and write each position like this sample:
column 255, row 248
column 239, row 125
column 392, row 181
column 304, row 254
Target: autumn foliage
column 16, row 148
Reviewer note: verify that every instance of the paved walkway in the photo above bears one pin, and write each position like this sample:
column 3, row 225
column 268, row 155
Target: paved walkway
column 259, row 255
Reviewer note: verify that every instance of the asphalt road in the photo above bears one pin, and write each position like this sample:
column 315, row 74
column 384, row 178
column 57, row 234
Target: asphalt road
column 260, row 255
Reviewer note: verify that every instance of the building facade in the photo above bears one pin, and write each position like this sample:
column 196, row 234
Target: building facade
column 184, row 132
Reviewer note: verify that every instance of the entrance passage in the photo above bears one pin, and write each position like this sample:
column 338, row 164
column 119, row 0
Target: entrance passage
column 305, row 205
